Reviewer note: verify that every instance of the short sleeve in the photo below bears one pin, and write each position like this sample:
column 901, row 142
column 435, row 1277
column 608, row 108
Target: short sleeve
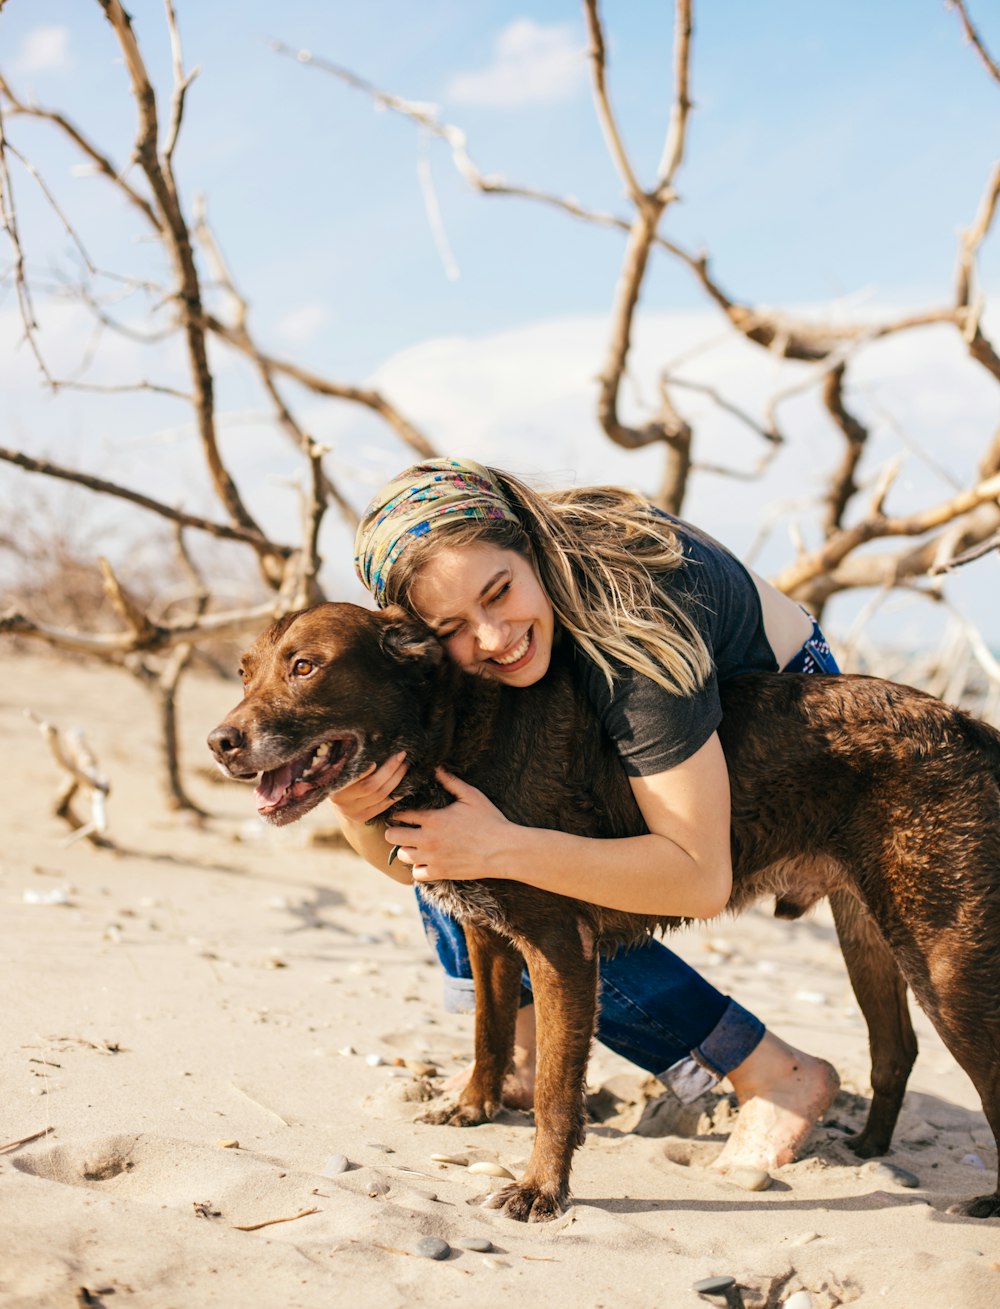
column 652, row 729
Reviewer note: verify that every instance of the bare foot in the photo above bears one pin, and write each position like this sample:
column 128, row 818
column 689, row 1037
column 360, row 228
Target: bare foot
column 782, row 1093
column 519, row 1085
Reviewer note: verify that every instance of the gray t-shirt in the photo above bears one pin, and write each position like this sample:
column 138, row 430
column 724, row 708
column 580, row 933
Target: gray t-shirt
column 653, row 729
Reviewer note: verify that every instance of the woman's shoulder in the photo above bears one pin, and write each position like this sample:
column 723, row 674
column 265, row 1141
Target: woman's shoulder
column 652, row 728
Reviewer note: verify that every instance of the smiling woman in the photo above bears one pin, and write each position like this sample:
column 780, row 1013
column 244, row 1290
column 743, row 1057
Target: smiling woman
column 506, row 626
column 653, row 615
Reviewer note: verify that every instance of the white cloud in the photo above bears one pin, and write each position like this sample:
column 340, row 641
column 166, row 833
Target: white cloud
column 533, row 63
column 302, row 324
column 44, row 50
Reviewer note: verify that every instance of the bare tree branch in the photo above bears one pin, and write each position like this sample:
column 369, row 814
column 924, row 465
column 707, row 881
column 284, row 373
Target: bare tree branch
column 967, row 556
column 842, row 482
column 181, row 84
column 98, row 388
column 71, row 231
column 834, row 551
column 101, row 162
column 368, row 397
column 605, row 115
column 667, row 426
column 114, row 646
column 973, row 37
column 673, row 149
column 768, row 432
column 322, row 488
column 8, row 217
column 968, row 305
column 178, row 241
column 104, row 487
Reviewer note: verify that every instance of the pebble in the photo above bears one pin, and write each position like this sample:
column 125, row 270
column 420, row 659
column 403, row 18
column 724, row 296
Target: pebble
column 374, row 1060
column 377, row 1145
column 486, row 1167
column 57, row 896
column 799, row 1300
column 228, row 1145
column 490, row 1262
column 481, row 1244
column 458, row 1159
column 714, row 1285
column 893, row 1173
column 335, row 1164
column 805, row 1238
column 377, row 1188
column 749, row 1179
column 421, row 1069
column 973, row 1161
column 432, row 1247
column 347, row 1049
column 810, row 997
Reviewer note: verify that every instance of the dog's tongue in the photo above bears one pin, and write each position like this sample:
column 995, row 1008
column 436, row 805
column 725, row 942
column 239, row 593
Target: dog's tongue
column 272, row 786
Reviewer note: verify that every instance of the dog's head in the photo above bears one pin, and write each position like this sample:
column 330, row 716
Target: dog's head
column 327, row 692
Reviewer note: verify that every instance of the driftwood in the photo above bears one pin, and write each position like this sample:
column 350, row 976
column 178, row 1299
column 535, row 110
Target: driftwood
column 74, row 756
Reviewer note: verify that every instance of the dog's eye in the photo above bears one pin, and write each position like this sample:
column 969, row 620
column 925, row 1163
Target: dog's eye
column 303, row 667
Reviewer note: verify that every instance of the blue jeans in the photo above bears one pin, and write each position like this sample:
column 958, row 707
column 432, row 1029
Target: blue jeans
column 653, row 1007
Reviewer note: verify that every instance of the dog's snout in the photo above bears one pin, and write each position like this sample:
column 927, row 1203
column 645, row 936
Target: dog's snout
column 226, row 741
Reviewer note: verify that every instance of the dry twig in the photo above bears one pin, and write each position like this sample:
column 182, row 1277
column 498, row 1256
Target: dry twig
column 270, row 1222
column 974, row 39
column 24, row 1140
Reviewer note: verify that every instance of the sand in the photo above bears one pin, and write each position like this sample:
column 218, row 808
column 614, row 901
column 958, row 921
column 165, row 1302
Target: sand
column 215, row 1012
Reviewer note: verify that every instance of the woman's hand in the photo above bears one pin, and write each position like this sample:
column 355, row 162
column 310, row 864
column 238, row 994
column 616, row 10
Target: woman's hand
column 464, row 840
column 372, row 793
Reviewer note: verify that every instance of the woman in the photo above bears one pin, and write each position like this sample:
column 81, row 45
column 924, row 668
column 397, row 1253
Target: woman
column 658, row 614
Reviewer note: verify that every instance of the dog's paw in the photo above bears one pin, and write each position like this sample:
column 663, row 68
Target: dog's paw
column 983, row 1206
column 528, row 1204
column 460, row 1115
column 866, row 1146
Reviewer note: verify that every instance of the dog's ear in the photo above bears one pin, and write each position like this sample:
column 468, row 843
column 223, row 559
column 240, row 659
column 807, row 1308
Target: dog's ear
column 409, row 641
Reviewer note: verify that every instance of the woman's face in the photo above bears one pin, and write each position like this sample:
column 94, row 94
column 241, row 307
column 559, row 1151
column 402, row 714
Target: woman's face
column 488, row 608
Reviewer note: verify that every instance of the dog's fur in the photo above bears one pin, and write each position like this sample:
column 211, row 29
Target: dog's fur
column 876, row 795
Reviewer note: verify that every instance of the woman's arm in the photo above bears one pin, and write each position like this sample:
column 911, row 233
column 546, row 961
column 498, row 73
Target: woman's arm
column 366, row 798
column 682, row 867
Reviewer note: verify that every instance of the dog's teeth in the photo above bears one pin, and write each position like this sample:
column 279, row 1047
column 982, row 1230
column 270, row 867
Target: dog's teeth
column 323, row 750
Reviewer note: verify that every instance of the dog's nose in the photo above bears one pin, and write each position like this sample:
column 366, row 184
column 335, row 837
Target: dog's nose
column 226, row 741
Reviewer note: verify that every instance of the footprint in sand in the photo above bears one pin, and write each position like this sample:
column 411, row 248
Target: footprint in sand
column 158, row 1171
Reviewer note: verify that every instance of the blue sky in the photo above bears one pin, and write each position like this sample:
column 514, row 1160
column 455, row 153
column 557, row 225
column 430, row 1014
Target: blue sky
column 833, row 154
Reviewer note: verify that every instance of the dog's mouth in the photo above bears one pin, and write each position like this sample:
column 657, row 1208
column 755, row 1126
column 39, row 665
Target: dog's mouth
column 287, row 792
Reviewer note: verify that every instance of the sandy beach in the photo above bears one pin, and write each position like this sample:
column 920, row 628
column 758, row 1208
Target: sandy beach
column 203, row 1019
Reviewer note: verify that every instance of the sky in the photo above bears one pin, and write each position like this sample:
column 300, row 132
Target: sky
column 834, row 153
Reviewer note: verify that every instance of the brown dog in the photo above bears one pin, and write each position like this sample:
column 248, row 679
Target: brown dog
column 881, row 797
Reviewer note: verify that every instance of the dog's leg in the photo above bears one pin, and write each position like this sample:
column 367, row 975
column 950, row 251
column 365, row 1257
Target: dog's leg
column 563, row 970
column 881, row 992
column 496, row 971
column 987, row 1083
column 972, row 1033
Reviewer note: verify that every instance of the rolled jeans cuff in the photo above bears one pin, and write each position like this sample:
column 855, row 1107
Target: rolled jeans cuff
column 735, row 1036
column 460, row 995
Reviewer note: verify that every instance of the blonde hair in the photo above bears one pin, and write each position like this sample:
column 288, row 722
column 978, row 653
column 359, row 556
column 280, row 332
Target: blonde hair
column 601, row 554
